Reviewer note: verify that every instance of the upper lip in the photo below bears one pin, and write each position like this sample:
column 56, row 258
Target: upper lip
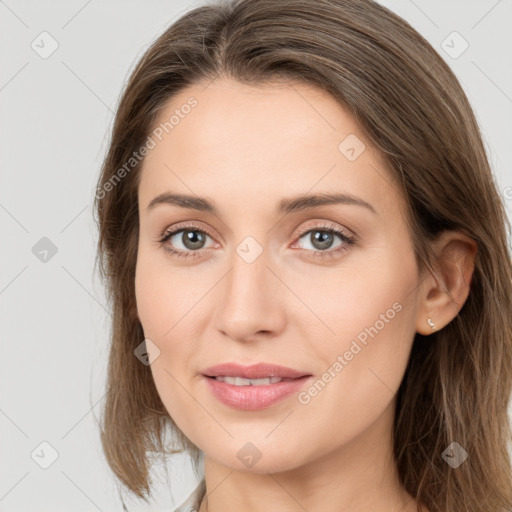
column 254, row 371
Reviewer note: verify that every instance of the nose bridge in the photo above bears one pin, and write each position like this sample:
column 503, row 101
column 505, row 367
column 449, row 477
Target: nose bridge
column 248, row 303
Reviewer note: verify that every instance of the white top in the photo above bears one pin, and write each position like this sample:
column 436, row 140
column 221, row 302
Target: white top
column 193, row 502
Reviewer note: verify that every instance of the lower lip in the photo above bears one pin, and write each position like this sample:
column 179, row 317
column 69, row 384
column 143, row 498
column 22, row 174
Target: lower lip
column 253, row 398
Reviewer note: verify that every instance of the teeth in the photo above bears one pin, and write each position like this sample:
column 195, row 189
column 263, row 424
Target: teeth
column 240, row 381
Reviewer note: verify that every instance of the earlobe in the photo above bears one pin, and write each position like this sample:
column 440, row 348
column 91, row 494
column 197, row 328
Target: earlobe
column 444, row 292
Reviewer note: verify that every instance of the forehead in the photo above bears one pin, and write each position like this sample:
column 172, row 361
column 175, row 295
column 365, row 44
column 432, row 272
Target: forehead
column 229, row 112
column 244, row 142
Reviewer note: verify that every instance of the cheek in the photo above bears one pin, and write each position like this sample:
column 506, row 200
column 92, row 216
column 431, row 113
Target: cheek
column 170, row 304
column 163, row 300
column 166, row 295
column 371, row 310
column 361, row 369
column 152, row 298
column 366, row 299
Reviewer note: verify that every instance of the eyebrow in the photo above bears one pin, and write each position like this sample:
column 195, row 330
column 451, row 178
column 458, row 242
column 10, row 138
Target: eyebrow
column 285, row 206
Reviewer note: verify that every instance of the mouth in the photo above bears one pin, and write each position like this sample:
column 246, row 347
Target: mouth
column 245, row 375
column 253, row 387
column 241, row 381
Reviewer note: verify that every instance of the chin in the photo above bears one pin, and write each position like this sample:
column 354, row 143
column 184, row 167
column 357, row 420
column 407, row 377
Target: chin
column 258, row 457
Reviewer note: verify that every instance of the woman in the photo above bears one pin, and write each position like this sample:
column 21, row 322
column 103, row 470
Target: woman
column 307, row 260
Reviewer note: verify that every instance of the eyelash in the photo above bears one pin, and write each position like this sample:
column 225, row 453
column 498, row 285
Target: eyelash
column 328, row 228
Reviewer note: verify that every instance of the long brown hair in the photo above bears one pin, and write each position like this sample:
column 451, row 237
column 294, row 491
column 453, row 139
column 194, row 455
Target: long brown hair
column 410, row 105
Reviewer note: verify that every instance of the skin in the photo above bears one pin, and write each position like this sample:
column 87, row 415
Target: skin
column 245, row 148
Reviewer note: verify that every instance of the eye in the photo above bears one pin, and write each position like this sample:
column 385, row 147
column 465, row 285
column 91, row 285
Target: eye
column 322, row 239
column 185, row 242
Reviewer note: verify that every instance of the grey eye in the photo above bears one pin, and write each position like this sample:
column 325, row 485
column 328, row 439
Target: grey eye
column 320, row 239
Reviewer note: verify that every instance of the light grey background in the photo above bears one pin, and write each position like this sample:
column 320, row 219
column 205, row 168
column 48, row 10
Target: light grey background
column 56, row 116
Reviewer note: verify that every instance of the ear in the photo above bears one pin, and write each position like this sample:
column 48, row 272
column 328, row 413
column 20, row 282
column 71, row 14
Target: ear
column 444, row 292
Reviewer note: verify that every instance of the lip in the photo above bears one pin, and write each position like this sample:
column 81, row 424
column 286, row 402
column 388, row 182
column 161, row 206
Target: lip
column 253, row 398
column 254, row 371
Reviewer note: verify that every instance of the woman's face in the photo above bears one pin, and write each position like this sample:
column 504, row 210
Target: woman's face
column 261, row 276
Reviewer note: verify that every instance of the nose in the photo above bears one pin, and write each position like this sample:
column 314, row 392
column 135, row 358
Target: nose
column 250, row 302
